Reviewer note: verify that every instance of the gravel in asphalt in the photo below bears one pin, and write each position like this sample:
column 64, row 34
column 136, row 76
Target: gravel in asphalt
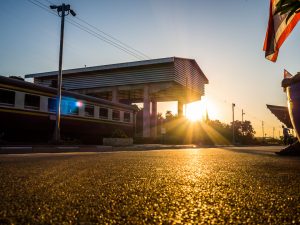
column 186, row 186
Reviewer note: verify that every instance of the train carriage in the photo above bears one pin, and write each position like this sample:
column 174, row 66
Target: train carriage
column 28, row 114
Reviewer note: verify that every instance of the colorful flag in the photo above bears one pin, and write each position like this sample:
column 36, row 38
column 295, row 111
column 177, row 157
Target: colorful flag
column 278, row 30
column 286, row 74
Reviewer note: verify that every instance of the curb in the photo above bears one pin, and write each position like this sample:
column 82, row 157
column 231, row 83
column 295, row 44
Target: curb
column 52, row 149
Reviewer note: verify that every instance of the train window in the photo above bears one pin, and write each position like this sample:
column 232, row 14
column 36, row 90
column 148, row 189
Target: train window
column 89, row 110
column 7, row 97
column 126, row 117
column 116, row 115
column 51, row 104
column 103, row 113
column 32, row 102
column 71, row 107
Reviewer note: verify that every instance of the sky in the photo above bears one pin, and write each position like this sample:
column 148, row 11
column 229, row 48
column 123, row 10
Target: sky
column 224, row 37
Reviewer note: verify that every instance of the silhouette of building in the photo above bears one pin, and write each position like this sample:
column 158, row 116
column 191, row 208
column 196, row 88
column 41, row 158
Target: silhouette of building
column 149, row 82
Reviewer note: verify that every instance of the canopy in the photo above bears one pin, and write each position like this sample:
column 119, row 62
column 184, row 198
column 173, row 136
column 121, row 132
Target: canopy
column 282, row 113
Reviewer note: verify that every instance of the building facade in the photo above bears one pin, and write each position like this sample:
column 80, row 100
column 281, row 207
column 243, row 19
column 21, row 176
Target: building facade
column 149, row 82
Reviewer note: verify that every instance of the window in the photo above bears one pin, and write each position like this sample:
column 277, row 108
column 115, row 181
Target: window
column 52, row 104
column 67, row 106
column 7, row 97
column 116, row 115
column 32, row 102
column 89, row 110
column 103, row 113
column 126, row 117
column 53, row 83
column 71, row 107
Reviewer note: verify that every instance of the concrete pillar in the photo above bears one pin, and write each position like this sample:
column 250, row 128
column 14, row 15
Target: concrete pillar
column 115, row 97
column 154, row 119
column 180, row 108
column 146, row 112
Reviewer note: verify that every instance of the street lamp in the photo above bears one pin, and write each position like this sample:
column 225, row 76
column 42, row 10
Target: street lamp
column 233, row 136
column 61, row 11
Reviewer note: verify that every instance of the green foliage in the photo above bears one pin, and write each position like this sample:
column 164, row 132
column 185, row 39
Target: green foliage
column 212, row 132
column 244, row 132
column 118, row 133
column 180, row 130
column 169, row 116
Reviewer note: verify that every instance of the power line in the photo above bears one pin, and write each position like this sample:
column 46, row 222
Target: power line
column 106, row 34
column 51, row 3
column 42, row 7
column 95, row 34
column 125, row 48
column 110, row 36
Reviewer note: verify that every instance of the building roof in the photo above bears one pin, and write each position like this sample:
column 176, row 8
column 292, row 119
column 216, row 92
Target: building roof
column 115, row 66
column 282, row 113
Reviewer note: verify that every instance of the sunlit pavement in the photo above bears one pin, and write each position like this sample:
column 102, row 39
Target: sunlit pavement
column 212, row 185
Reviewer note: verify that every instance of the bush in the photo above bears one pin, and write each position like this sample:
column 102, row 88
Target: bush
column 118, row 133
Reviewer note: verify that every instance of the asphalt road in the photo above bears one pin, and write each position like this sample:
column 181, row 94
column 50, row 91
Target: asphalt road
column 211, row 186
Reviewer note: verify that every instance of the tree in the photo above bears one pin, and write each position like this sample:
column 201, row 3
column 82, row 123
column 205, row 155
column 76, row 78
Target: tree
column 244, row 132
column 169, row 116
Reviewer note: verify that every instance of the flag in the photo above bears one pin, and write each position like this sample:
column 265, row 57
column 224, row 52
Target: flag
column 286, row 74
column 278, row 30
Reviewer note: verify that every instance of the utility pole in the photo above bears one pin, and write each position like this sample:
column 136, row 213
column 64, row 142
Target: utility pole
column 233, row 136
column 243, row 122
column 206, row 115
column 273, row 132
column 263, row 130
column 61, row 11
column 243, row 115
column 186, row 95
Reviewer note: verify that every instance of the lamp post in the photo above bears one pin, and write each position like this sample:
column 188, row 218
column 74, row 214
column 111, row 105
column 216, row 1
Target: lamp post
column 61, row 11
column 243, row 122
column 263, row 130
column 233, row 136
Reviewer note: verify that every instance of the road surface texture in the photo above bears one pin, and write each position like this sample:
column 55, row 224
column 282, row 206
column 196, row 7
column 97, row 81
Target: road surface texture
column 186, row 186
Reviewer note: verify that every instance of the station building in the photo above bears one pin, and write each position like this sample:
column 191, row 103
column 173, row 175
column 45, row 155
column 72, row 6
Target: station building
column 147, row 82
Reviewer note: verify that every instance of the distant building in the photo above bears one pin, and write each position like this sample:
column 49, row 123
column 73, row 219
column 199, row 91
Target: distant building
column 149, row 81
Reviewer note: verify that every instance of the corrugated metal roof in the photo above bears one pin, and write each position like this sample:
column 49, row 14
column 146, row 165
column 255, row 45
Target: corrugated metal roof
column 104, row 67
column 182, row 71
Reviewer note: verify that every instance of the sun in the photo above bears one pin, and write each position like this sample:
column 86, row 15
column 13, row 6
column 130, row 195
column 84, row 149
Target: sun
column 197, row 111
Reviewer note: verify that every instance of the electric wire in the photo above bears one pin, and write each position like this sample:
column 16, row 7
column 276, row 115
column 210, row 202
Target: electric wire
column 107, row 34
column 110, row 36
column 95, row 34
column 125, row 48
column 137, row 54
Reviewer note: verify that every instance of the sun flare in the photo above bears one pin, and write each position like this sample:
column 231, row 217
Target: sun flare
column 197, row 111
